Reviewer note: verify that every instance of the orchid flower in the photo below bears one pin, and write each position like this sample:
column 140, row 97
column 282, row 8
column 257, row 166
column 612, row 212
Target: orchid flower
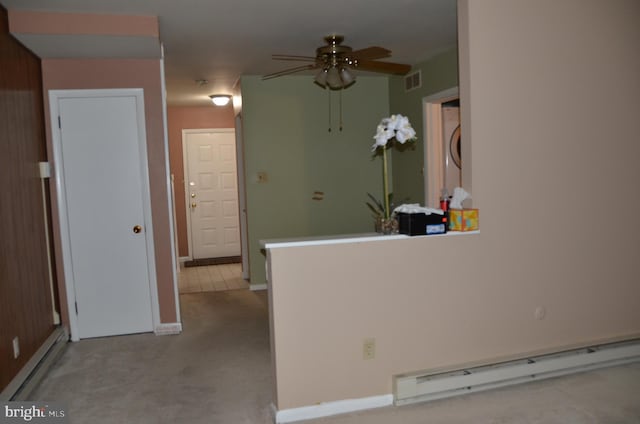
column 398, row 127
column 395, row 126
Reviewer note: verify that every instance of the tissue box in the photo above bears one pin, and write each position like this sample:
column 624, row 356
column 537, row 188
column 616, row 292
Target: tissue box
column 420, row 224
column 463, row 219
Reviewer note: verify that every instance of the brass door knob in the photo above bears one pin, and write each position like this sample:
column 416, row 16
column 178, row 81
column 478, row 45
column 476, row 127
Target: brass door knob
column 137, row 229
column 193, row 205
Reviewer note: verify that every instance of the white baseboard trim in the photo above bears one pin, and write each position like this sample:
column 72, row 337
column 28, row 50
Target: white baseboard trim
column 168, row 329
column 256, row 287
column 183, row 259
column 331, row 408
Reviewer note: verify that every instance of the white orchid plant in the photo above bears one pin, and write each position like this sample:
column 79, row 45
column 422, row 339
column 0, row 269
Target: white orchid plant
column 398, row 128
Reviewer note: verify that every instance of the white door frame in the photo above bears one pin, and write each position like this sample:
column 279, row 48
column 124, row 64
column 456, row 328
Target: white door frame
column 65, row 239
column 171, row 197
column 242, row 198
column 185, row 170
column 433, row 150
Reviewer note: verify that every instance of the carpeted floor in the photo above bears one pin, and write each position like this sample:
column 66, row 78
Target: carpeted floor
column 219, row 371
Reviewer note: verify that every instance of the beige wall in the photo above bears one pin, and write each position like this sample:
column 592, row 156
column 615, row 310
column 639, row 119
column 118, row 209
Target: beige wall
column 549, row 95
column 180, row 118
column 131, row 73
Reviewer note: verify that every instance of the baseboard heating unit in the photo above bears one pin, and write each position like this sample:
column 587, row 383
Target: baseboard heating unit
column 419, row 387
column 21, row 386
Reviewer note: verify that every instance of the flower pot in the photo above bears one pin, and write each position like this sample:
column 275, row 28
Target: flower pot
column 386, row 225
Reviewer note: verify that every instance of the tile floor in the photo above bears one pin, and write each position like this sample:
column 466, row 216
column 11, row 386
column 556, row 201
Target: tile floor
column 211, row 278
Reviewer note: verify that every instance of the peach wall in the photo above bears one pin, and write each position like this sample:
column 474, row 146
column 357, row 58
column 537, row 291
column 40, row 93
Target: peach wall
column 60, row 74
column 550, row 111
column 28, row 22
column 180, row 118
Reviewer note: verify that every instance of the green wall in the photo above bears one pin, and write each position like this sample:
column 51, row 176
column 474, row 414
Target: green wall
column 285, row 132
column 438, row 74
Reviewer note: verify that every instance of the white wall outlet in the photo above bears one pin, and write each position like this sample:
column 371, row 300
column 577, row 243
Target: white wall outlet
column 540, row 312
column 369, row 348
column 16, row 347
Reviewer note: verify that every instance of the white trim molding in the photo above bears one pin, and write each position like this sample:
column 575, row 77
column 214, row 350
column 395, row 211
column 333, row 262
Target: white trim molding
column 257, row 287
column 167, row 329
column 170, row 190
column 327, row 409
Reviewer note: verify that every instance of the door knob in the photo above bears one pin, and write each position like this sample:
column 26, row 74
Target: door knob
column 193, row 205
column 193, row 195
column 137, row 229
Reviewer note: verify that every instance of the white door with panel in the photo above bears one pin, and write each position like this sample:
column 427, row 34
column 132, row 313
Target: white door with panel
column 212, row 193
column 103, row 184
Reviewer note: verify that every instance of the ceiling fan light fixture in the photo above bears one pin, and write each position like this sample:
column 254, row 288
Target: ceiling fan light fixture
column 346, row 77
column 220, row 99
column 321, row 78
column 333, row 78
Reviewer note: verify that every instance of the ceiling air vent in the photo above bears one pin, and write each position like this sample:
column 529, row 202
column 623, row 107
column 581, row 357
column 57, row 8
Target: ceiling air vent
column 413, row 81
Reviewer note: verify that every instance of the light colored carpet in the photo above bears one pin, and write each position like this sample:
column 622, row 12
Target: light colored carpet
column 219, row 371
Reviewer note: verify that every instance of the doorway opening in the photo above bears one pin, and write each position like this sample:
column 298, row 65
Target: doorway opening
column 436, row 156
column 211, row 196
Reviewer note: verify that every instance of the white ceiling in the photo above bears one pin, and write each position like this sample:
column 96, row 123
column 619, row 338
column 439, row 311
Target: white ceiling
column 220, row 40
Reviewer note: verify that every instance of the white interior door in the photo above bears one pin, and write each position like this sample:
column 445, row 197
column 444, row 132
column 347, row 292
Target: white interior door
column 103, row 191
column 212, row 193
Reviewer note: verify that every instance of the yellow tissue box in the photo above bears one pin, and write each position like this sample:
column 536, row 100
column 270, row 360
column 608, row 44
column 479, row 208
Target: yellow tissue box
column 463, row 219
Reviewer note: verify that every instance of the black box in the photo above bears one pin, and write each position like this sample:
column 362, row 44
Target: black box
column 420, row 224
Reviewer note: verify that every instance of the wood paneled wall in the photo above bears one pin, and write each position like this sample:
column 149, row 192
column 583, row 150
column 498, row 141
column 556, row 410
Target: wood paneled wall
column 25, row 294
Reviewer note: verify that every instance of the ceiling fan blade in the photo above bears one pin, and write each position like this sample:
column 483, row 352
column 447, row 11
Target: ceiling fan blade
column 384, row 67
column 288, row 71
column 370, row 53
column 293, row 57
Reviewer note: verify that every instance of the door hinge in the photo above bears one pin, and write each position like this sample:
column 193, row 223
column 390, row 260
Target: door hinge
column 59, row 122
column 76, row 308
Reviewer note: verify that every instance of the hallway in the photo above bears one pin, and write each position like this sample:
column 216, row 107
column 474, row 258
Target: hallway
column 206, row 278
column 217, row 371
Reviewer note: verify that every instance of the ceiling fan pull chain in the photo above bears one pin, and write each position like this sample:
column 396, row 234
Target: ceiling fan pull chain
column 341, row 110
column 329, row 97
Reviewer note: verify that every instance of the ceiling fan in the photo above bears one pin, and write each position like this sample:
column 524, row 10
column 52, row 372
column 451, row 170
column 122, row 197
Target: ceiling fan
column 335, row 62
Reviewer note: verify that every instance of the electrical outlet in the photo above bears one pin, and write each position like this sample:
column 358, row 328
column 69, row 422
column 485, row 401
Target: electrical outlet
column 540, row 313
column 369, row 349
column 16, row 347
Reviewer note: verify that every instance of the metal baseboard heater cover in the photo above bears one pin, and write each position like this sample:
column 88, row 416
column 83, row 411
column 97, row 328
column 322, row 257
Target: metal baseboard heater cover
column 420, row 387
column 35, row 369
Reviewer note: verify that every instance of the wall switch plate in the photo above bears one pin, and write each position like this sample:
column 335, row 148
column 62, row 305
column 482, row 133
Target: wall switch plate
column 45, row 169
column 369, row 348
column 16, row 347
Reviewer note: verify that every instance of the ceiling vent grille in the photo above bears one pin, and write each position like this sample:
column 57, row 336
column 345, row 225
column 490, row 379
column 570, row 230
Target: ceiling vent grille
column 413, row 81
